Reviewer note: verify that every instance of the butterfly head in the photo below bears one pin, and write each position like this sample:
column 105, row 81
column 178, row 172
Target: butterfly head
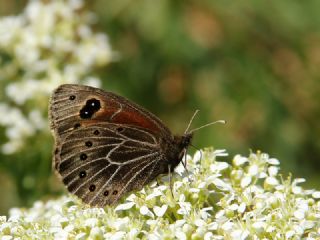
column 182, row 143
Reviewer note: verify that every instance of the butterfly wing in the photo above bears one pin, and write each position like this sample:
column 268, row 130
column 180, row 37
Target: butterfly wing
column 106, row 145
column 70, row 103
column 101, row 163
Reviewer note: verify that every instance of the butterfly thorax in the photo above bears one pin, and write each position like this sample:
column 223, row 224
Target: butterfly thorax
column 176, row 149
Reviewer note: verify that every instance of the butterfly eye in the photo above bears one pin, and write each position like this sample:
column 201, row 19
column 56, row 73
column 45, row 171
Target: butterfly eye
column 72, row 97
column 83, row 156
column 92, row 187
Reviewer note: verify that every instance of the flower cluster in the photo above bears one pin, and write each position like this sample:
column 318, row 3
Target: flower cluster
column 247, row 199
column 50, row 43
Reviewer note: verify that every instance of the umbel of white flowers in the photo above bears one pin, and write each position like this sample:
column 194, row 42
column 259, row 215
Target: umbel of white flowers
column 247, row 199
column 34, row 49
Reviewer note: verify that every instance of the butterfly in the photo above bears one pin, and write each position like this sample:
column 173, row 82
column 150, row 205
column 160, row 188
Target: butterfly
column 107, row 146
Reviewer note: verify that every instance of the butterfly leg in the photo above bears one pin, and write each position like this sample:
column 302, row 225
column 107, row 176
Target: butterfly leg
column 158, row 184
column 184, row 163
column 170, row 180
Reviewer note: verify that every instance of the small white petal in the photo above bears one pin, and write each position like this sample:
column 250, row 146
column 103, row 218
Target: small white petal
column 245, row 181
column 124, row 206
column 202, row 185
column 290, row 234
column 238, row 160
column 316, row 194
column 197, row 156
column 220, row 213
column 145, row 211
column 299, row 214
column 180, row 235
column 118, row 235
column 239, row 234
column 152, row 222
column 259, row 226
column 273, row 171
column 208, row 236
column 199, row 222
column 262, row 175
column 221, row 184
column 253, row 170
column 6, row 237
column 182, row 198
column 121, row 223
column 220, row 152
column 194, row 190
column 219, row 166
column 308, row 224
column 272, row 181
column 96, row 233
column 131, row 197
column 160, row 211
column 180, row 223
column 213, row 226
column 297, row 190
column 227, row 226
column 273, row 161
column 298, row 180
column 298, row 229
column 81, row 236
column 91, row 222
column 242, row 208
column 233, row 207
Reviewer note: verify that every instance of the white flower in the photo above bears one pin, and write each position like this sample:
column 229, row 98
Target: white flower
column 273, row 171
column 221, row 184
column 271, row 181
column 38, row 43
column 197, row 156
column 245, row 181
column 144, row 210
column 181, row 235
column 124, row 206
column 90, row 222
column 316, row 194
column 160, row 211
column 185, row 208
column 219, row 166
column 220, row 153
column 259, row 210
column 273, row 161
column 238, row 160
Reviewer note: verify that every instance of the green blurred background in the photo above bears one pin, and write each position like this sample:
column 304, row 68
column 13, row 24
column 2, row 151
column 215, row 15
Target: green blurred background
column 253, row 63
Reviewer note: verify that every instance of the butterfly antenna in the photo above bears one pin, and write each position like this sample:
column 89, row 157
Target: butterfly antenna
column 206, row 125
column 195, row 113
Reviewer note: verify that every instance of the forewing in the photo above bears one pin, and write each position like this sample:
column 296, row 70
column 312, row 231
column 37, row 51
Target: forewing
column 72, row 106
column 100, row 163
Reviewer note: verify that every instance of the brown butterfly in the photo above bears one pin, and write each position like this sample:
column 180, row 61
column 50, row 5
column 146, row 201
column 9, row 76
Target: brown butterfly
column 107, row 146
